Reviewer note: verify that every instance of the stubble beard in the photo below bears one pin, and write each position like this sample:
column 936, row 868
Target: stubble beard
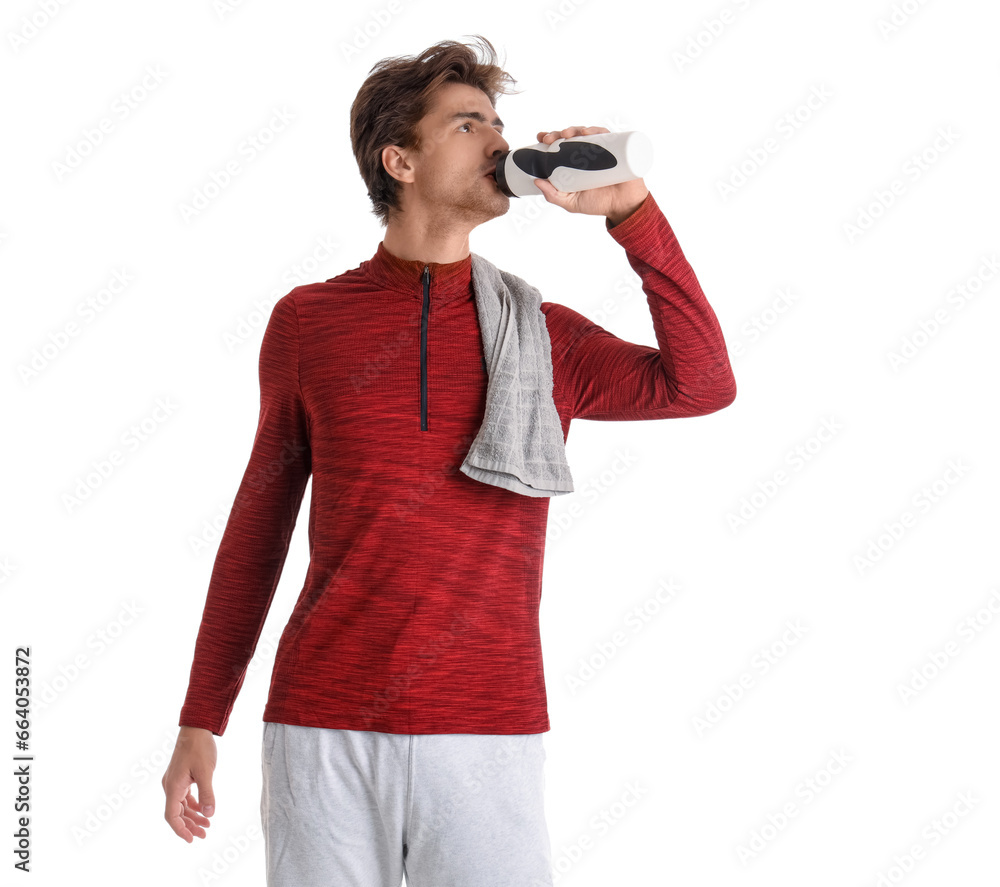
column 479, row 202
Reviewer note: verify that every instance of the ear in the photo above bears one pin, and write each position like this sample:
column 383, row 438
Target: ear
column 397, row 163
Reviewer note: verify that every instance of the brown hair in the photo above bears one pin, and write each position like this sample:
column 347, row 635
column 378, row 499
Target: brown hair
column 397, row 94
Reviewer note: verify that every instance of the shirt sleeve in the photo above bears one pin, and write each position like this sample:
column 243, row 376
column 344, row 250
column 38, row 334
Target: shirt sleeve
column 599, row 376
column 258, row 532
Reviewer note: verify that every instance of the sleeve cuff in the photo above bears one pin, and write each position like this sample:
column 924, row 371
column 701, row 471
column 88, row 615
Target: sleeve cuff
column 638, row 220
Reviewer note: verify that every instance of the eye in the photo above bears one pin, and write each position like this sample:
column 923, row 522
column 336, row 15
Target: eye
column 498, row 129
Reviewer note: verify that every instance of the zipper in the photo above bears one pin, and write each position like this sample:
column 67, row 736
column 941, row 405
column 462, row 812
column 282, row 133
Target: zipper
column 423, row 347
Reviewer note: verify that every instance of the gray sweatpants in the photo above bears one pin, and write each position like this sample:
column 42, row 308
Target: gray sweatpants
column 353, row 808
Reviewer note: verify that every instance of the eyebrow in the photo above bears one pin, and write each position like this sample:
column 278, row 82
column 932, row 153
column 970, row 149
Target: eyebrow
column 475, row 115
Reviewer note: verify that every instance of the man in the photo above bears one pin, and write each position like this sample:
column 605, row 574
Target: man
column 403, row 729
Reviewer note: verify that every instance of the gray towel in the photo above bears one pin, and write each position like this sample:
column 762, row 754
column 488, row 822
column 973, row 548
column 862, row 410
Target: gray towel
column 520, row 444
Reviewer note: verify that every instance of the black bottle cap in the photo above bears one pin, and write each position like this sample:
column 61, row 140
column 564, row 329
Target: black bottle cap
column 500, row 177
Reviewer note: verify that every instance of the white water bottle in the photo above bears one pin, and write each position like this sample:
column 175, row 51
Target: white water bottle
column 576, row 164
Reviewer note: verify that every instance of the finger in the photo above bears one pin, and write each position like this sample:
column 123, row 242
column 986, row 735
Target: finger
column 193, row 803
column 193, row 828
column 551, row 192
column 206, row 796
column 192, row 811
column 175, row 820
column 174, row 811
column 588, row 130
column 194, row 820
column 183, row 816
column 549, row 137
column 569, row 133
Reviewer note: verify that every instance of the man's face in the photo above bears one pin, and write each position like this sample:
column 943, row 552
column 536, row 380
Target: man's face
column 450, row 178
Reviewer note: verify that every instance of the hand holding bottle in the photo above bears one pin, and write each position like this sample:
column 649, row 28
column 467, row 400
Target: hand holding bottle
column 615, row 201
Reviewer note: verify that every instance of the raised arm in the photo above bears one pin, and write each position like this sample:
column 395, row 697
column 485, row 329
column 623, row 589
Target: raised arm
column 600, row 376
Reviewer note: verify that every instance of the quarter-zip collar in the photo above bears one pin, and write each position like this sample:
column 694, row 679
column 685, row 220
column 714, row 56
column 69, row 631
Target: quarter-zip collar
column 448, row 280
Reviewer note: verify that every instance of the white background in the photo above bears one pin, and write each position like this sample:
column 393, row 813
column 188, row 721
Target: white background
column 708, row 100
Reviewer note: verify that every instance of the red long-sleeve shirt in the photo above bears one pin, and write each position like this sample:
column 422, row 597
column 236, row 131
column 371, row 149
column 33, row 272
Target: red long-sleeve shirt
column 419, row 610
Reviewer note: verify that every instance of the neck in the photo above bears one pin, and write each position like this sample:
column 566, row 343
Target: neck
column 418, row 238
